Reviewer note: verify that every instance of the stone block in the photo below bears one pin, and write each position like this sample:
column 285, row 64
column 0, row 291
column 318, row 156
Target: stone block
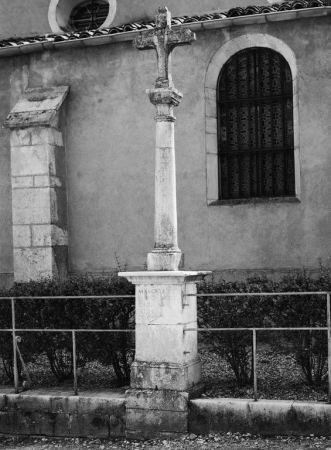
column 211, row 104
column 311, row 418
column 147, row 375
column 165, row 261
column 270, row 417
column 47, row 181
column 156, row 421
column 33, row 263
column 164, row 304
column 48, row 235
column 28, row 402
column 21, row 182
column 46, row 135
column 156, row 343
column 21, row 236
column 163, row 400
column 212, row 178
column 218, row 415
column 21, row 136
column 83, row 425
column 32, row 160
column 101, row 406
column 152, row 434
column 117, row 425
column 211, row 125
column 32, row 206
column 64, row 404
column 211, row 144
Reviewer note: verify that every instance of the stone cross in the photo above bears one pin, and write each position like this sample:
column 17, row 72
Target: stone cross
column 166, row 255
column 163, row 39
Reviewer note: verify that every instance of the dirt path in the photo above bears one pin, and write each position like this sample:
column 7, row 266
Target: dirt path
column 216, row 441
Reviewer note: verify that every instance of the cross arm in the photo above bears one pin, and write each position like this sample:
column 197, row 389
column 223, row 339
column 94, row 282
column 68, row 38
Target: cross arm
column 176, row 38
column 145, row 41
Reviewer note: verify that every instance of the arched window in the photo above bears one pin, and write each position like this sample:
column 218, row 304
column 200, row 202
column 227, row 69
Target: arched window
column 255, row 126
column 89, row 15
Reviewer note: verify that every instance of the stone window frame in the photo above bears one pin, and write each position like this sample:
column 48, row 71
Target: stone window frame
column 217, row 62
column 59, row 13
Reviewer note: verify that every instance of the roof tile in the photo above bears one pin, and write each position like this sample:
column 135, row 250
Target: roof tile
column 233, row 12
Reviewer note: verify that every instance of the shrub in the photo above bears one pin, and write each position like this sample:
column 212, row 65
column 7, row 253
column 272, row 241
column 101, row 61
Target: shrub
column 309, row 347
column 116, row 349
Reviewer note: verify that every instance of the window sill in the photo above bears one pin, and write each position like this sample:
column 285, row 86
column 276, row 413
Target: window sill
column 257, row 200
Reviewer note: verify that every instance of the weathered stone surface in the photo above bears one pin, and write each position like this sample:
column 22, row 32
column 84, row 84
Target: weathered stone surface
column 311, row 416
column 37, row 107
column 270, row 417
column 81, row 425
column 21, row 236
column 148, row 422
column 39, row 199
column 261, row 417
column 145, row 375
column 22, row 182
column 33, row 206
column 32, row 160
column 157, row 400
column 101, row 415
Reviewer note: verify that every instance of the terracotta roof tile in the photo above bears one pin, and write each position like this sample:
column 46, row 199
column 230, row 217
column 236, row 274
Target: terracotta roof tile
column 233, row 12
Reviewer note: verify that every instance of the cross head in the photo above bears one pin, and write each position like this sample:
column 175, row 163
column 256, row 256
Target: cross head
column 163, row 39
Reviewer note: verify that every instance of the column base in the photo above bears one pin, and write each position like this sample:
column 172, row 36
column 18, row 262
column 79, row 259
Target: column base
column 168, row 376
column 159, row 261
column 152, row 414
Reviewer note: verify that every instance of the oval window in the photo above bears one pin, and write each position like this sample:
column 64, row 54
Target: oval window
column 89, row 15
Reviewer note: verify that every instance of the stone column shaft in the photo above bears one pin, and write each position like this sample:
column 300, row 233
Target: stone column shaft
column 166, row 255
column 165, row 188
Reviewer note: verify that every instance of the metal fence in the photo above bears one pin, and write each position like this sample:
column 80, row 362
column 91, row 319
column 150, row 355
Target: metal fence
column 73, row 332
column 255, row 329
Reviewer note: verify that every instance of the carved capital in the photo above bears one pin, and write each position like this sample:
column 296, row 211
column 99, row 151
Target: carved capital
column 165, row 96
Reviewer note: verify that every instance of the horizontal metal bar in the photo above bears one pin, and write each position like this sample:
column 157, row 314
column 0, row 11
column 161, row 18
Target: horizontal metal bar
column 70, row 297
column 256, row 294
column 263, row 151
column 260, row 329
column 66, row 330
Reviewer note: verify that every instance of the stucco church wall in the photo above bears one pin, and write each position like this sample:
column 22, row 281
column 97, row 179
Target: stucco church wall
column 110, row 157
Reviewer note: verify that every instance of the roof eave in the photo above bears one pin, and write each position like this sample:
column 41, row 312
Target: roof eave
column 277, row 16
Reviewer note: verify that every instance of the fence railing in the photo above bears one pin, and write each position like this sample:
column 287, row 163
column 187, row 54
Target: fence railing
column 73, row 331
column 255, row 329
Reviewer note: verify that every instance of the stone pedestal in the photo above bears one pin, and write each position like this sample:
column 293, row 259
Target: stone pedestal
column 166, row 371
column 39, row 196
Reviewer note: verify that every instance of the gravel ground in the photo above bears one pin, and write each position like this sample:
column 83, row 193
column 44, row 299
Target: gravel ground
column 227, row 441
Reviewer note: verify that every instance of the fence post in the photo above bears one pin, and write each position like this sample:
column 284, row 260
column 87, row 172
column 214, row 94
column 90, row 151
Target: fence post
column 14, row 345
column 329, row 344
column 254, row 366
column 74, row 361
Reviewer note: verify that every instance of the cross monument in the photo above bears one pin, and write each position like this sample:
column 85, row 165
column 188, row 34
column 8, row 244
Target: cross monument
column 166, row 255
column 166, row 371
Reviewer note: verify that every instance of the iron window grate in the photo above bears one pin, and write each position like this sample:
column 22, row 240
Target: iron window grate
column 255, row 126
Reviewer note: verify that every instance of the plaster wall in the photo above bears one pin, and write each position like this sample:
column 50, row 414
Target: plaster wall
column 30, row 17
column 110, row 157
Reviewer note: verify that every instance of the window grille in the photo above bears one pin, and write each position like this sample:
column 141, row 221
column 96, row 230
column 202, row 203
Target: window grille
column 89, row 15
column 255, row 126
